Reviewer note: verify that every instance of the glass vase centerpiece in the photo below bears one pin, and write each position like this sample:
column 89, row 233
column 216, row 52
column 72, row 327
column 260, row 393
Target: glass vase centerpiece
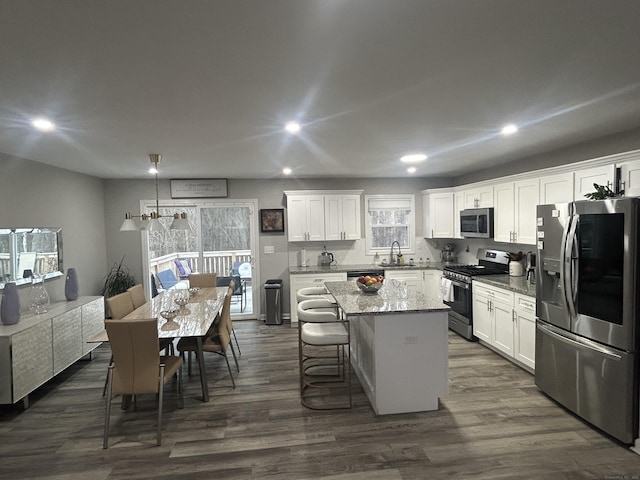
column 38, row 298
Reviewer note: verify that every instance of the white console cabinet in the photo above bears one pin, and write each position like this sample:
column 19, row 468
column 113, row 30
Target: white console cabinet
column 40, row 346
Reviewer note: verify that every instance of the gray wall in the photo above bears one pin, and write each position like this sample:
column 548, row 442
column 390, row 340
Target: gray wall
column 37, row 195
column 612, row 144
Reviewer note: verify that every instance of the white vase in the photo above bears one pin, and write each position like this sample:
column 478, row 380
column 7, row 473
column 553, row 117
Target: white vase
column 516, row 269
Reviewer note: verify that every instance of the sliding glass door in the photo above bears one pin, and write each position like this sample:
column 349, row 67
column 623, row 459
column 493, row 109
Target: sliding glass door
column 222, row 240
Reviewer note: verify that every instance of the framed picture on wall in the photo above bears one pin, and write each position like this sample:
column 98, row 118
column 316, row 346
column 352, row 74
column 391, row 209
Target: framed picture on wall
column 272, row 220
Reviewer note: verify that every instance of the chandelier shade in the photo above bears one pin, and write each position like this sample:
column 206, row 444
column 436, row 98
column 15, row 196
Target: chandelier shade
column 151, row 222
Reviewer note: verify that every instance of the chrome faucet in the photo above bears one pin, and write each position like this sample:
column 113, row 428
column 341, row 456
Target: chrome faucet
column 392, row 260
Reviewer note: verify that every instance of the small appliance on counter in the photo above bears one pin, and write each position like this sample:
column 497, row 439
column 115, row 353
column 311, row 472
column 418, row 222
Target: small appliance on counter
column 448, row 254
column 303, row 260
column 326, row 259
column 531, row 267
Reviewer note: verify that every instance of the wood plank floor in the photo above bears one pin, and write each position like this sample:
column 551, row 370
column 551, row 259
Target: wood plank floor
column 494, row 424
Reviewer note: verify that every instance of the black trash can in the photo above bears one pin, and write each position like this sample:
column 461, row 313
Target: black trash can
column 273, row 290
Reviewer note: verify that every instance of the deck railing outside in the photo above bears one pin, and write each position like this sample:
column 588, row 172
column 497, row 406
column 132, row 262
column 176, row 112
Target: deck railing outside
column 220, row 262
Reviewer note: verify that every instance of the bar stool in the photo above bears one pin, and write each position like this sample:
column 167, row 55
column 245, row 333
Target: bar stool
column 311, row 293
column 322, row 371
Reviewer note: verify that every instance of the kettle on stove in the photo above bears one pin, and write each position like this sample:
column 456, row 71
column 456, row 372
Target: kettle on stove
column 326, row 259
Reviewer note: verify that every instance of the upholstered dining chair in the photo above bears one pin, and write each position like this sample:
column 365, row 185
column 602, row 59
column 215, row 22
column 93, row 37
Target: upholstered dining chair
column 137, row 368
column 120, row 305
column 238, row 291
column 217, row 340
column 137, row 295
column 203, row 280
column 323, row 343
column 232, row 283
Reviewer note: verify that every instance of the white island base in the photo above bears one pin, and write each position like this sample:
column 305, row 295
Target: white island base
column 401, row 359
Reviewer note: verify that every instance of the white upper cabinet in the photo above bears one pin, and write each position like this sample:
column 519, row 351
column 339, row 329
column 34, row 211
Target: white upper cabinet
column 320, row 216
column 438, row 215
column 479, row 197
column 458, row 206
column 305, row 217
column 515, row 211
column 504, row 212
column 556, row 188
column 342, row 217
column 585, row 178
column 630, row 178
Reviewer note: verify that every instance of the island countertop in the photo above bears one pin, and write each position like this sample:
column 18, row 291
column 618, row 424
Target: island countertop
column 387, row 300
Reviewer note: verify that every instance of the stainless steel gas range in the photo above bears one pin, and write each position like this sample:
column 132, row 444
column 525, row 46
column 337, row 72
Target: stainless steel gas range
column 456, row 288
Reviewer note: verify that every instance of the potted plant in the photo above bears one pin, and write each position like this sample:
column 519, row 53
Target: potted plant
column 602, row 192
column 118, row 280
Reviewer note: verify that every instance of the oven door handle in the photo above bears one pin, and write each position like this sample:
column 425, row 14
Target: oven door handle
column 456, row 283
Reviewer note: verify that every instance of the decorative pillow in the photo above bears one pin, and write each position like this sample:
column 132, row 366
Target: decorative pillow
column 186, row 265
column 184, row 268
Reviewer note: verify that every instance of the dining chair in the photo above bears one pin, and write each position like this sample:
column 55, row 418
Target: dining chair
column 323, row 370
column 137, row 295
column 232, row 283
column 120, row 305
column 137, row 368
column 203, row 280
column 216, row 341
column 238, row 290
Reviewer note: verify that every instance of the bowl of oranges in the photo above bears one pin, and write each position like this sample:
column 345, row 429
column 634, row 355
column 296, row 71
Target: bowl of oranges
column 370, row 284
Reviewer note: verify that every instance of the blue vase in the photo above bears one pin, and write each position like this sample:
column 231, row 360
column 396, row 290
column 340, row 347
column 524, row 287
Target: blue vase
column 10, row 308
column 71, row 284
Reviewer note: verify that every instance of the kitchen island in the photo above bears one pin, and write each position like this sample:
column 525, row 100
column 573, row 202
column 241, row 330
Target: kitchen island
column 399, row 346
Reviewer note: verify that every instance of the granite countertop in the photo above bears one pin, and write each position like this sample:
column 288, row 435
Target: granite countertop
column 515, row 284
column 355, row 302
column 364, row 266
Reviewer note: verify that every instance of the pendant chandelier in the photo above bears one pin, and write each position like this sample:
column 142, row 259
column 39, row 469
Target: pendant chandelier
column 150, row 222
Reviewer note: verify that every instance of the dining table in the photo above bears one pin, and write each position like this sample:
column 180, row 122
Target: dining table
column 193, row 319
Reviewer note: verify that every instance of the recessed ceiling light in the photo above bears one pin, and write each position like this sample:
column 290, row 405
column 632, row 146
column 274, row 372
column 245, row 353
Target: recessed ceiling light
column 43, row 124
column 413, row 158
column 286, row 171
column 412, row 169
column 153, row 170
column 292, row 127
column 509, row 129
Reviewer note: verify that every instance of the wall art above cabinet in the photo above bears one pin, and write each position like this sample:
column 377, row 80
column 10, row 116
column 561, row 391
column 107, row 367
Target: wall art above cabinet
column 321, row 215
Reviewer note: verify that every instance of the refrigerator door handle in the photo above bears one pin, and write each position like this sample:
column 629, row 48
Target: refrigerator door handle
column 568, row 273
column 579, row 342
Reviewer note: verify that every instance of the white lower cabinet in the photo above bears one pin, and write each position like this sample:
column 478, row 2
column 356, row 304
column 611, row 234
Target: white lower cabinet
column 505, row 322
column 413, row 278
column 303, row 280
column 525, row 334
column 431, row 283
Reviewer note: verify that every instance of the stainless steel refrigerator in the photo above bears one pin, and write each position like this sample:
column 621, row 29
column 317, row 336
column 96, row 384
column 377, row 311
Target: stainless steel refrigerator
column 587, row 311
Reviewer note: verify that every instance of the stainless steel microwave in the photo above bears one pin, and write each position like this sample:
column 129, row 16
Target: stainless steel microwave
column 476, row 223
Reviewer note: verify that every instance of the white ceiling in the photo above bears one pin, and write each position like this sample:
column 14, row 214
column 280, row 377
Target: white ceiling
column 209, row 84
